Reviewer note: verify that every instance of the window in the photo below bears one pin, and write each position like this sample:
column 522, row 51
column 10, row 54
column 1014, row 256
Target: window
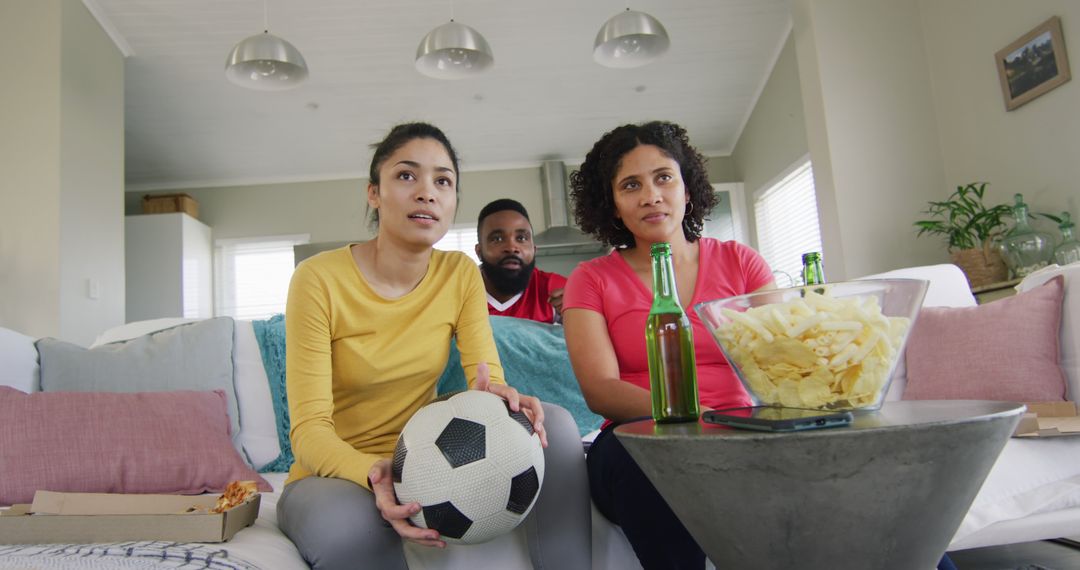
column 460, row 238
column 787, row 221
column 252, row 275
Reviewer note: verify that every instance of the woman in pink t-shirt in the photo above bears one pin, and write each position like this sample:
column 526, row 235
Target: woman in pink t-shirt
column 640, row 185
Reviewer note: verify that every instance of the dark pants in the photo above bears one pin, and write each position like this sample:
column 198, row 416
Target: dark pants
column 623, row 493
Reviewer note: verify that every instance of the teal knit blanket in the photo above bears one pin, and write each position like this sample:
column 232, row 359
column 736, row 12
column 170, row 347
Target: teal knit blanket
column 533, row 356
column 270, row 335
column 535, row 362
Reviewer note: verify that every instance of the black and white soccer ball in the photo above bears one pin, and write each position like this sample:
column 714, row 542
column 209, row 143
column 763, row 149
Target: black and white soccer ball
column 474, row 466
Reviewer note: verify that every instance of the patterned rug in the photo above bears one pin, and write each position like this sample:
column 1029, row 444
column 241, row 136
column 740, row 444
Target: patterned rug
column 121, row 555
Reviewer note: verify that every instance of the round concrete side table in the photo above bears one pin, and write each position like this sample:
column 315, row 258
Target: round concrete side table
column 888, row 492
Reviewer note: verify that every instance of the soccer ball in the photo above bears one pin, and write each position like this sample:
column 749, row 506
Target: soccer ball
column 474, row 466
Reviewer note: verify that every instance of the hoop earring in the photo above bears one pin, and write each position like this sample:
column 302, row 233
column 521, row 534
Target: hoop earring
column 617, row 228
column 691, row 206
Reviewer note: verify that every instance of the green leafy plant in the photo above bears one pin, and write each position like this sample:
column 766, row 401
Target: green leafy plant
column 964, row 220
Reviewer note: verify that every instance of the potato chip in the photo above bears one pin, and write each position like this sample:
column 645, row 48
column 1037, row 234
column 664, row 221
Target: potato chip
column 816, row 351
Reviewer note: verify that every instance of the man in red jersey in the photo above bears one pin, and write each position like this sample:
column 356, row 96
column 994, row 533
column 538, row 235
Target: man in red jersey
column 515, row 288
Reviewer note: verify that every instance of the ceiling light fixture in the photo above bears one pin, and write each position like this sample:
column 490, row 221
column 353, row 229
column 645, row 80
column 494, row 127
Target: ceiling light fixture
column 630, row 39
column 453, row 51
column 266, row 62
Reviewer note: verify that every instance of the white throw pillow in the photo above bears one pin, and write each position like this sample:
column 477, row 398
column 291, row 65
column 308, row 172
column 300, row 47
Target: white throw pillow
column 1070, row 320
column 258, row 426
column 18, row 362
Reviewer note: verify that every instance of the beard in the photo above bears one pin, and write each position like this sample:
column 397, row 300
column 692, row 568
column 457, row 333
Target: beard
column 508, row 281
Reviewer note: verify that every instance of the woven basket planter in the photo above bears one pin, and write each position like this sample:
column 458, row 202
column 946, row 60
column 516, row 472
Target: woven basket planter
column 982, row 266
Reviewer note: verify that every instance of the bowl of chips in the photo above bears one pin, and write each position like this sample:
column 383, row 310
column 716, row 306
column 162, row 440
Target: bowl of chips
column 830, row 347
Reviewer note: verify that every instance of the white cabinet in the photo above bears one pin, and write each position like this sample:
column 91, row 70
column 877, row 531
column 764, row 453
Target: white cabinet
column 169, row 265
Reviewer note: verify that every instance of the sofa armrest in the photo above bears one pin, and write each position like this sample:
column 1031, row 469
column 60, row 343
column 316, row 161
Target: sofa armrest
column 948, row 284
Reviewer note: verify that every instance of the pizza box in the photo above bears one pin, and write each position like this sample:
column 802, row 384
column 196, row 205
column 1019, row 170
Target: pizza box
column 79, row 518
column 1049, row 419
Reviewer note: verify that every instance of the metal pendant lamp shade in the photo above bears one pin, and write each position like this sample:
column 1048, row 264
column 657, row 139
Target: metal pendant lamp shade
column 630, row 39
column 453, row 51
column 267, row 63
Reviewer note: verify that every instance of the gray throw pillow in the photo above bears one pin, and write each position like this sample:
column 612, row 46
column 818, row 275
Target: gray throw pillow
column 194, row 356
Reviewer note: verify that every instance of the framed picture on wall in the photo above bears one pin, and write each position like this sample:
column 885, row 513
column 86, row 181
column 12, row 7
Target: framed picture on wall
column 1033, row 64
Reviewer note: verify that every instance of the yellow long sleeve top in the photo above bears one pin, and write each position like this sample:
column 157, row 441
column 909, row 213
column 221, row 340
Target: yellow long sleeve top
column 359, row 365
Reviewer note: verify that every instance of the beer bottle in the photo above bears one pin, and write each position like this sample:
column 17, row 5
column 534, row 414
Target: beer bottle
column 669, row 342
column 812, row 272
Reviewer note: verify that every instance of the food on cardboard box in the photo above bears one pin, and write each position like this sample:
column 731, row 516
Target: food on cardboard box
column 102, row 517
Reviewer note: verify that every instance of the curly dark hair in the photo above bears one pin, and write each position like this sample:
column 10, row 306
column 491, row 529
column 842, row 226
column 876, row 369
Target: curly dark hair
column 593, row 195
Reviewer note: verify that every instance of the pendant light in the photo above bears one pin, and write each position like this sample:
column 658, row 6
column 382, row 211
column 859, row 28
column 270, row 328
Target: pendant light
column 266, row 62
column 630, row 39
column 453, row 51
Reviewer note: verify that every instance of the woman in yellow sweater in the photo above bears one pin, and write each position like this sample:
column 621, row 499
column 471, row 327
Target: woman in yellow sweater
column 368, row 330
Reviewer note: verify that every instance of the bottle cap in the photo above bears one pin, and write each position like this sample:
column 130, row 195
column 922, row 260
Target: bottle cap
column 811, row 256
column 661, row 247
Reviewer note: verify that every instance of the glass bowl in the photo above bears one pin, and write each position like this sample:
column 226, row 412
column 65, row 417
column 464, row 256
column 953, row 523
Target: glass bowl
column 830, row 347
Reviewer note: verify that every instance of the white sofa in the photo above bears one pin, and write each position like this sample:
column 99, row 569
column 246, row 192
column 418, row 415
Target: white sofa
column 1032, row 493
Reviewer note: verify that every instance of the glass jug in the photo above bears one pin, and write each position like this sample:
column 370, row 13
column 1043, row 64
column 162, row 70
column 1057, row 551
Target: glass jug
column 1069, row 250
column 1026, row 249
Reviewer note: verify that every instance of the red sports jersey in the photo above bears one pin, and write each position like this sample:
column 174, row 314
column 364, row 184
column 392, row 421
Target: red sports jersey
column 533, row 303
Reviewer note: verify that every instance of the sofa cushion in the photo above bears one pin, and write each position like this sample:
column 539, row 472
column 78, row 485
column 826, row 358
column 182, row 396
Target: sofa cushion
column 1005, row 350
column 196, row 356
column 1070, row 318
column 948, row 288
column 134, row 329
column 18, row 361
column 258, row 427
column 102, row 442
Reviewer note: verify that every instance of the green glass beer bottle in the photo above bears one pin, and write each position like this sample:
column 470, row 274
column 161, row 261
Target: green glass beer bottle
column 812, row 271
column 669, row 341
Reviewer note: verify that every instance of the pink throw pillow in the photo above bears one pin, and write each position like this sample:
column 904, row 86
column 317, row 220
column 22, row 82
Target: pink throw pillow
column 1005, row 350
column 108, row 442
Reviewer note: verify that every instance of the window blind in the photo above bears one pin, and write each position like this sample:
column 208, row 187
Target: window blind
column 461, row 238
column 787, row 222
column 252, row 275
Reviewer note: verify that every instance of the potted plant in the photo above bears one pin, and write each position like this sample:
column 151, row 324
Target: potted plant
column 971, row 230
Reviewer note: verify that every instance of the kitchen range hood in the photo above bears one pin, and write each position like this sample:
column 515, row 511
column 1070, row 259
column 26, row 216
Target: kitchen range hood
column 560, row 238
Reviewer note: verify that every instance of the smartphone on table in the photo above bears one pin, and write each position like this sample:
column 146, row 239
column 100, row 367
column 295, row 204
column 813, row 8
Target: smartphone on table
column 777, row 419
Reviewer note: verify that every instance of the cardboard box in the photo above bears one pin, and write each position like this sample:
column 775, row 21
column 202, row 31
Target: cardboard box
column 80, row 518
column 1049, row 419
column 169, row 204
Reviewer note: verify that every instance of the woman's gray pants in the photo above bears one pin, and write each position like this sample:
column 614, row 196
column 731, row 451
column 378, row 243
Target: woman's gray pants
column 334, row 523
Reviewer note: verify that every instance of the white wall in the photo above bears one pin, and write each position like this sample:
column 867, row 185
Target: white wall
column 775, row 135
column 91, row 178
column 1032, row 149
column 871, row 129
column 30, row 166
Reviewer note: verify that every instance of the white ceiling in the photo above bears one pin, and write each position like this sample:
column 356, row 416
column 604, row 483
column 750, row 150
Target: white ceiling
column 187, row 126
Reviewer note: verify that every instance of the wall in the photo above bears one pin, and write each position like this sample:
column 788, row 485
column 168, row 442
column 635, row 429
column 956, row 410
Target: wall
column 1032, row 149
column 775, row 135
column 91, row 178
column 29, row 167
column 334, row 210
column 871, row 130
column 61, row 175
